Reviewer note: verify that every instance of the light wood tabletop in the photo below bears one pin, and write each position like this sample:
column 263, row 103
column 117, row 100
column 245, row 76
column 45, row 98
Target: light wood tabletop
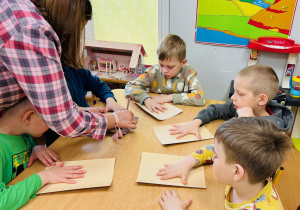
column 125, row 192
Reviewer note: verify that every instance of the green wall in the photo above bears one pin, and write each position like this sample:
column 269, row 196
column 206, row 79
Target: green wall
column 130, row 21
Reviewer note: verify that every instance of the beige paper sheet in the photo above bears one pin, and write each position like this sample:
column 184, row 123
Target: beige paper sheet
column 99, row 173
column 152, row 162
column 163, row 135
column 170, row 112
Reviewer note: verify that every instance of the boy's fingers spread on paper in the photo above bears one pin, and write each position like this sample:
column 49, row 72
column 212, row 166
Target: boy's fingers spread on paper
column 180, row 135
column 47, row 159
column 54, row 155
column 74, row 176
column 69, row 181
column 74, row 167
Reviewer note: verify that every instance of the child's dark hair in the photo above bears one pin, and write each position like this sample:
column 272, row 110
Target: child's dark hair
column 254, row 143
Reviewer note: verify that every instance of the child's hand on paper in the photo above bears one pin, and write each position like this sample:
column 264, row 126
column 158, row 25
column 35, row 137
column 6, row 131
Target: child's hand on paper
column 171, row 201
column 60, row 174
column 180, row 169
column 188, row 128
column 153, row 106
column 245, row 112
column 44, row 154
column 163, row 98
column 112, row 105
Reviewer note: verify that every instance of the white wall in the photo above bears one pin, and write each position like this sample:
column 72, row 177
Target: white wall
column 217, row 65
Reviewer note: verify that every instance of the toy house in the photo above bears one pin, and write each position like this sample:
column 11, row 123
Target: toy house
column 115, row 60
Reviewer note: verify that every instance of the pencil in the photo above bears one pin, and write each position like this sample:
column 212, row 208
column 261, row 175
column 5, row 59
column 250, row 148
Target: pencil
column 128, row 103
column 277, row 176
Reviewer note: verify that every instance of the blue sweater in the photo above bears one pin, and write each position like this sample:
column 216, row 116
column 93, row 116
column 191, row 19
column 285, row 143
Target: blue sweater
column 80, row 81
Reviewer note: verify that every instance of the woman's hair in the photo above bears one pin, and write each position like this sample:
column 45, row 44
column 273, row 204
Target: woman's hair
column 68, row 18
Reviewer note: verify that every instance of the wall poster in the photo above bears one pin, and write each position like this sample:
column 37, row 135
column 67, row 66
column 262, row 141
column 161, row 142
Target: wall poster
column 235, row 22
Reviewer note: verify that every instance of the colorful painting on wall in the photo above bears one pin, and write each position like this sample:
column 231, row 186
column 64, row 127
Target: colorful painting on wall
column 235, row 22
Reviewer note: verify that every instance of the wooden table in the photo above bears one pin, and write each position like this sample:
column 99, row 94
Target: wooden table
column 125, row 192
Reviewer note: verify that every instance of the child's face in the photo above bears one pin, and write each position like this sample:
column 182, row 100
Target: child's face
column 170, row 68
column 243, row 96
column 37, row 126
column 222, row 169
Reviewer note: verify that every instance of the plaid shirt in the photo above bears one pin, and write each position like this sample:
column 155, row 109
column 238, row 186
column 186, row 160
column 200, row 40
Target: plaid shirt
column 30, row 65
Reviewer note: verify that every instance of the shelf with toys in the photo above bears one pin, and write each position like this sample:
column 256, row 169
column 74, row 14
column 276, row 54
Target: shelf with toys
column 115, row 62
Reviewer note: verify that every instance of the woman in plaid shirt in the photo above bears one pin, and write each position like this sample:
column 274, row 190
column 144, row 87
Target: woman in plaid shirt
column 32, row 53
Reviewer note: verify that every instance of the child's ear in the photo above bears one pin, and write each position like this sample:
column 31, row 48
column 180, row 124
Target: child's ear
column 27, row 117
column 239, row 173
column 184, row 62
column 263, row 99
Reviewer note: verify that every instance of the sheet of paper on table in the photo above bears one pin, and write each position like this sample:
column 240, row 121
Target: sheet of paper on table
column 170, row 112
column 163, row 134
column 152, row 162
column 99, row 173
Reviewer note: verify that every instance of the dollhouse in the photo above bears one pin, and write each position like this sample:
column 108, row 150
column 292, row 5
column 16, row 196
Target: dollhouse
column 115, row 61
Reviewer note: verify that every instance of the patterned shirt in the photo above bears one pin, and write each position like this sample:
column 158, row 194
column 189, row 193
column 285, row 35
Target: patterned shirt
column 267, row 198
column 184, row 86
column 30, row 65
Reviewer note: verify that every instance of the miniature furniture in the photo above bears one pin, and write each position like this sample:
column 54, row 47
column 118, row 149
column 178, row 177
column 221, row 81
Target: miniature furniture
column 128, row 59
column 110, row 65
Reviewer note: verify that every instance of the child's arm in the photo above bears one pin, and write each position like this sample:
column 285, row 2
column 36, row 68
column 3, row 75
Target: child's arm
column 16, row 196
column 44, row 154
column 171, row 201
column 136, row 89
column 182, row 168
column 212, row 112
column 100, row 89
column 194, row 96
column 217, row 111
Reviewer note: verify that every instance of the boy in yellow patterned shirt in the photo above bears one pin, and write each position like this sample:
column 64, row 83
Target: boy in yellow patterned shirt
column 247, row 151
column 173, row 78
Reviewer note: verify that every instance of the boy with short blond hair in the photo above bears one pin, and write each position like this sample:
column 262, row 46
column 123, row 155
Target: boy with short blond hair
column 173, row 78
column 254, row 88
column 247, row 151
column 18, row 151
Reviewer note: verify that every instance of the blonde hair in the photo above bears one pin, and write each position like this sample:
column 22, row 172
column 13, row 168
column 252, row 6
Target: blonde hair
column 254, row 143
column 68, row 18
column 171, row 46
column 262, row 79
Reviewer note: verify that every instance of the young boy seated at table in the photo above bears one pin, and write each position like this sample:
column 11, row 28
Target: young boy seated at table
column 172, row 77
column 18, row 150
column 254, row 88
column 247, row 151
